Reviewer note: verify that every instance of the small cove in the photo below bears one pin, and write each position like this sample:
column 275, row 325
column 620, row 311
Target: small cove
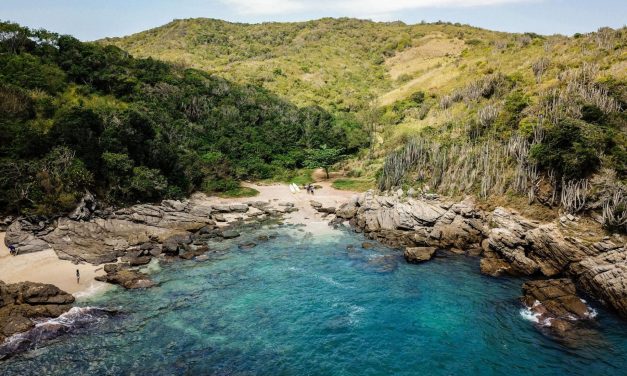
column 306, row 305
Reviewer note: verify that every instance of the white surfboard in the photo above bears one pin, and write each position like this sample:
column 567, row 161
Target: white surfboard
column 292, row 188
column 296, row 187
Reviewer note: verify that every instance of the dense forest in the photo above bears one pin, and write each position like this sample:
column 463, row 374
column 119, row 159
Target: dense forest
column 80, row 116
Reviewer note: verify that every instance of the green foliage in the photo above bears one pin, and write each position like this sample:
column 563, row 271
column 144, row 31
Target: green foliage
column 239, row 192
column 147, row 183
column 139, row 129
column 357, row 185
column 324, row 157
column 570, row 149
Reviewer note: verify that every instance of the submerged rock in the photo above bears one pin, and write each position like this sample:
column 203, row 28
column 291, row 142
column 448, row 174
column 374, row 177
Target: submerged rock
column 230, row 234
column 247, row 245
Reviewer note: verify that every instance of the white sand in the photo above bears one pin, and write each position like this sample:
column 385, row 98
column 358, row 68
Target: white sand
column 278, row 193
column 46, row 267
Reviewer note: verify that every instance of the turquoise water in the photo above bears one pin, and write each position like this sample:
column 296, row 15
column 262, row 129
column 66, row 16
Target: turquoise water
column 303, row 306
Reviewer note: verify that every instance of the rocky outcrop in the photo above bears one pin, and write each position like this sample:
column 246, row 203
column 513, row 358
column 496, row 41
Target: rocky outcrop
column 605, row 276
column 508, row 243
column 415, row 255
column 26, row 235
column 556, row 306
column 20, row 303
column 415, row 222
column 123, row 275
column 97, row 237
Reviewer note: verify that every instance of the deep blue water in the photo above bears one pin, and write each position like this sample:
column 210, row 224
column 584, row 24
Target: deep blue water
column 299, row 305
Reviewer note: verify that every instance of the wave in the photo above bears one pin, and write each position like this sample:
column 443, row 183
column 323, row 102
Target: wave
column 93, row 290
column 48, row 329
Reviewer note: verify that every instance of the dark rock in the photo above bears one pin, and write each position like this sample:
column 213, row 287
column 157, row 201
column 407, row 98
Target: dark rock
column 417, row 255
column 230, row 234
column 247, row 245
column 493, row 265
column 558, row 298
column 557, row 308
column 21, row 302
column 127, row 278
column 141, row 260
column 85, row 208
column 190, row 253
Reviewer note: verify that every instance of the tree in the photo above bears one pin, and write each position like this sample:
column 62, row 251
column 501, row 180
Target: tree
column 324, row 157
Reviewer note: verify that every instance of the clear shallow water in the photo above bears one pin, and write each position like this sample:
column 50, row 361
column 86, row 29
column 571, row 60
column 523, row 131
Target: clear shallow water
column 303, row 306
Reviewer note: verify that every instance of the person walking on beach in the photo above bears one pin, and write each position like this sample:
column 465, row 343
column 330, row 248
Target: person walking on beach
column 78, row 276
column 12, row 251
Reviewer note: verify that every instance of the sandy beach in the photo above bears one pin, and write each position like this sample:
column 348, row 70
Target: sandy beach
column 46, row 267
column 306, row 214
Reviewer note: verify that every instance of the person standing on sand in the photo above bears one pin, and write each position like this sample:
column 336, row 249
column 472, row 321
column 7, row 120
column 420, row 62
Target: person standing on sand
column 12, row 251
column 78, row 276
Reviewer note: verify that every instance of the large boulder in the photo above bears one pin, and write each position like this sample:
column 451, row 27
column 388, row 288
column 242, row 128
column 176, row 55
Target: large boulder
column 25, row 236
column 415, row 255
column 20, row 303
column 557, row 310
column 347, row 210
column 511, row 248
column 126, row 277
column 85, row 208
column 558, row 297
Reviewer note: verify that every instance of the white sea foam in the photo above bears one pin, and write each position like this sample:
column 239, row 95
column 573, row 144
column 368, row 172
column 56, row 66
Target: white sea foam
column 153, row 267
column 330, row 281
column 93, row 290
column 529, row 315
column 355, row 310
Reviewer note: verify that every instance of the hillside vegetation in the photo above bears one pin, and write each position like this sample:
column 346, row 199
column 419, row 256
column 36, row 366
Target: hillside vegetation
column 448, row 108
column 79, row 116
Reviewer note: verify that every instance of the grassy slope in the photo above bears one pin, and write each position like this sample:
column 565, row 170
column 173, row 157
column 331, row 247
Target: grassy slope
column 337, row 63
column 348, row 64
column 373, row 68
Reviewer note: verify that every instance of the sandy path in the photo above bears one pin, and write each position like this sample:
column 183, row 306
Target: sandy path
column 46, row 267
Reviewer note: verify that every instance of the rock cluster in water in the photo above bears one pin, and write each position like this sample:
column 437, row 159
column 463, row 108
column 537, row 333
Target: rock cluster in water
column 508, row 243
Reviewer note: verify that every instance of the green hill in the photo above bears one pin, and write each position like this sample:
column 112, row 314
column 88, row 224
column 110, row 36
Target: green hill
column 449, row 108
column 77, row 116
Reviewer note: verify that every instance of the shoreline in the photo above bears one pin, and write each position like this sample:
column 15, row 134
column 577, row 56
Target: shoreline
column 46, row 267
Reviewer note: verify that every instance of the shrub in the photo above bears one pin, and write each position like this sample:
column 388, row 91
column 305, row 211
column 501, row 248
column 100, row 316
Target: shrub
column 567, row 150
